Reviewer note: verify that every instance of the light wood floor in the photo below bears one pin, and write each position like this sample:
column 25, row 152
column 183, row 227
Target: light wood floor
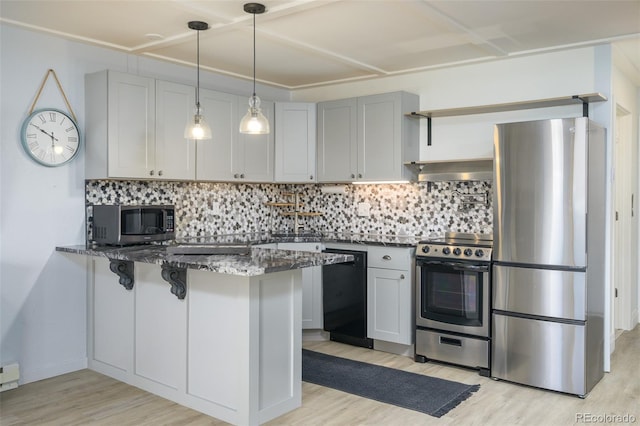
column 88, row 398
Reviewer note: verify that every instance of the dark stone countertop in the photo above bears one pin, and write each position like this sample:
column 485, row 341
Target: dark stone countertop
column 306, row 237
column 257, row 261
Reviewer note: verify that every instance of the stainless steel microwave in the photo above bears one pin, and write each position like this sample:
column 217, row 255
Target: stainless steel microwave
column 124, row 225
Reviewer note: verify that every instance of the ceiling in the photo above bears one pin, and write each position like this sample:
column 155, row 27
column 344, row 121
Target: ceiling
column 307, row 43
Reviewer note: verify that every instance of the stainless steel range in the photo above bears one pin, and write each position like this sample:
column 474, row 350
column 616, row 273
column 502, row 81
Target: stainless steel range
column 452, row 300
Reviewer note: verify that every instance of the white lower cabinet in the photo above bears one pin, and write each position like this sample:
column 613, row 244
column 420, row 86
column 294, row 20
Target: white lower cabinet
column 138, row 332
column 311, row 287
column 160, row 322
column 231, row 348
column 390, row 289
column 110, row 320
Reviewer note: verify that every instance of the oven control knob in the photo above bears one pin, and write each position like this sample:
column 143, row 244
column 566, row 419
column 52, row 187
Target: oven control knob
column 479, row 253
column 468, row 252
column 426, row 249
column 456, row 251
column 446, row 250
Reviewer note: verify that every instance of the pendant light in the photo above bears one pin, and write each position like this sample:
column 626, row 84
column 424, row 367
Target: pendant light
column 254, row 122
column 197, row 128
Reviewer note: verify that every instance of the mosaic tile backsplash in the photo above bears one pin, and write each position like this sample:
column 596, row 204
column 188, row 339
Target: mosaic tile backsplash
column 205, row 208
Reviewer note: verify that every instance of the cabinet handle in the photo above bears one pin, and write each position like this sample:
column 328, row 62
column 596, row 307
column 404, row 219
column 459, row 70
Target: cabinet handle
column 236, row 176
column 311, row 177
column 160, row 173
column 242, row 176
column 386, row 257
column 353, row 176
column 151, row 173
column 359, row 175
column 402, row 276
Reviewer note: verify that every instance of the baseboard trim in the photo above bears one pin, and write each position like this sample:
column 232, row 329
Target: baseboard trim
column 34, row 375
column 314, row 335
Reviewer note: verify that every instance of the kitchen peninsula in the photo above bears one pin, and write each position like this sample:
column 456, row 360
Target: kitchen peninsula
column 218, row 333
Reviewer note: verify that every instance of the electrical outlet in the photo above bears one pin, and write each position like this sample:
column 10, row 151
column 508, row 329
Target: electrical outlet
column 364, row 209
column 215, row 208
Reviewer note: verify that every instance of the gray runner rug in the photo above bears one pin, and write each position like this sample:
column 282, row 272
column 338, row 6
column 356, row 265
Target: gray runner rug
column 429, row 395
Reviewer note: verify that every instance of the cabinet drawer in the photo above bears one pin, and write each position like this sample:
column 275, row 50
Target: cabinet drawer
column 389, row 257
column 439, row 346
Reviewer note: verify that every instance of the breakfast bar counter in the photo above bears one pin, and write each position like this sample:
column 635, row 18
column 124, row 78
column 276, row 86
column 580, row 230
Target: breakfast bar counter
column 221, row 334
column 257, row 261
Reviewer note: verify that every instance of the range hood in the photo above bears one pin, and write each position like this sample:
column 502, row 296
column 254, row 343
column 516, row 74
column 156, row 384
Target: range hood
column 453, row 170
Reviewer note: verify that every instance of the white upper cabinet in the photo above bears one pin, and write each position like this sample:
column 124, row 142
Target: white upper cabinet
column 175, row 155
column 386, row 138
column 230, row 156
column 215, row 156
column 120, row 125
column 337, row 141
column 295, row 142
column 135, row 127
column 253, row 160
column 367, row 139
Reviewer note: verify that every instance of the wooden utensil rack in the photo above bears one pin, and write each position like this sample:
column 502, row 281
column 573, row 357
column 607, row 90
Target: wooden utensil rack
column 296, row 213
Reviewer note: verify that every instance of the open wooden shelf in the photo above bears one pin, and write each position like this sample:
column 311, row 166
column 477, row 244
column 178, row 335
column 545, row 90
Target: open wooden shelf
column 511, row 106
column 583, row 100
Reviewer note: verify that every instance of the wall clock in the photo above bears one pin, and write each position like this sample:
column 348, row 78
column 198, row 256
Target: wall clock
column 50, row 137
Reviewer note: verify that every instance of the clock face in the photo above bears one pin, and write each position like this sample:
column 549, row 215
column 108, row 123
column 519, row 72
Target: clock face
column 50, row 137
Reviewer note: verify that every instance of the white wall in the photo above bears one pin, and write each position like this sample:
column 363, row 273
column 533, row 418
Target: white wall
column 42, row 292
column 510, row 80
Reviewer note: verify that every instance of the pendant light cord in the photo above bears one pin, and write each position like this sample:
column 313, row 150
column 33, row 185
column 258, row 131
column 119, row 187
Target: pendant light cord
column 254, row 54
column 198, row 70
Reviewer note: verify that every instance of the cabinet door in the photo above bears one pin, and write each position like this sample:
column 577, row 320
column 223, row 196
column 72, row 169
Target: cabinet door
column 215, row 157
column 389, row 305
column 175, row 155
column 337, row 141
column 254, row 153
column 111, row 319
column 311, row 287
column 380, row 137
column 131, row 125
column 295, row 150
column 160, row 329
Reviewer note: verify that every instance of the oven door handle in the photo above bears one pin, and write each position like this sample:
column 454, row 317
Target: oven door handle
column 458, row 266
column 463, row 267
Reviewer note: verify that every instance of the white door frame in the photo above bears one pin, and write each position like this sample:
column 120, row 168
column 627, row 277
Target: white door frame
column 624, row 276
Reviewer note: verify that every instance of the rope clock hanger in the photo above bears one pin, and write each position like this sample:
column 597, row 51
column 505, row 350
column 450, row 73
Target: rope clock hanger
column 49, row 136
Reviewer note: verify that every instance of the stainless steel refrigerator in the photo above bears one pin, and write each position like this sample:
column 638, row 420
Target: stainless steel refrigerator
column 548, row 271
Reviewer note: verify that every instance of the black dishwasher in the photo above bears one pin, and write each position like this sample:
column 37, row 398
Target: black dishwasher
column 344, row 299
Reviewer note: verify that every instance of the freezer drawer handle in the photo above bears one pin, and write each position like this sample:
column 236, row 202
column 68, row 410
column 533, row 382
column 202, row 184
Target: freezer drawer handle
column 450, row 341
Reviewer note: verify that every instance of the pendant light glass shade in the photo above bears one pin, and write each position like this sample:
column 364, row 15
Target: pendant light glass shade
column 254, row 122
column 197, row 127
